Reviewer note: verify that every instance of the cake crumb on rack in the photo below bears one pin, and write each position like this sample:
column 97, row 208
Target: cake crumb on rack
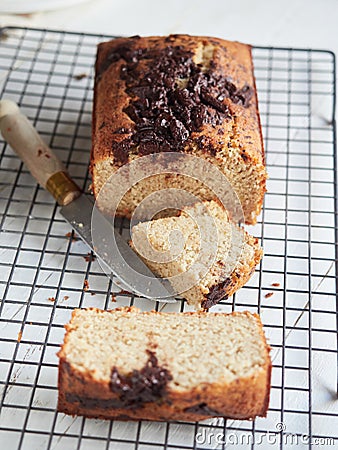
column 72, row 236
column 85, row 285
column 51, row 299
column 113, row 298
column 80, row 76
column 89, row 257
column 275, row 284
column 19, row 336
column 124, row 292
column 4, row 35
column 268, row 295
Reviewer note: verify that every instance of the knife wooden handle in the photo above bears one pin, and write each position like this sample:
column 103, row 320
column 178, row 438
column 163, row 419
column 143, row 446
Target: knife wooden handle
column 42, row 163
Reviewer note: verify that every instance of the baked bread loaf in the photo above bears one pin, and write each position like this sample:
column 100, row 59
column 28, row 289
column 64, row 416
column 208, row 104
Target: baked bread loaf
column 127, row 364
column 204, row 255
column 185, row 94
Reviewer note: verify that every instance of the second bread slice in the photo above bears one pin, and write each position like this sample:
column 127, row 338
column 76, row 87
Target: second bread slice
column 204, row 255
column 128, row 364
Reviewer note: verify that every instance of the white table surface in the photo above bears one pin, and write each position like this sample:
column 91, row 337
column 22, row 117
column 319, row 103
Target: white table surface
column 296, row 23
column 299, row 23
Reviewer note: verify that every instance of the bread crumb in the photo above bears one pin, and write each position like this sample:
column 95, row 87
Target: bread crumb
column 19, row 335
column 72, row 236
column 66, row 297
column 51, row 299
column 275, row 284
column 269, row 294
column 4, row 35
column 89, row 257
column 93, row 293
column 122, row 292
column 86, row 285
column 80, row 76
column 113, row 298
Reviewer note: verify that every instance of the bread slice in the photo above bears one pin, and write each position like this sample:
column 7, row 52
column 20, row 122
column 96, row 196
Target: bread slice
column 204, row 255
column 128, row 364
column 188, row 95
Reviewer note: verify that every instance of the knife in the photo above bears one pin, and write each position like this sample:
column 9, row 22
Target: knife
column 77, row 209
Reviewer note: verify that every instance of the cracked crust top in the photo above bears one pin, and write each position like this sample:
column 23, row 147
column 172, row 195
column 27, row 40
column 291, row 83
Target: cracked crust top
column 158, row 94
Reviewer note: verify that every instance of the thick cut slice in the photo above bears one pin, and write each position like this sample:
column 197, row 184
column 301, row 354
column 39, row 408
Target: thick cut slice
column 128, row 364
column 182, row 94
column 204, row 255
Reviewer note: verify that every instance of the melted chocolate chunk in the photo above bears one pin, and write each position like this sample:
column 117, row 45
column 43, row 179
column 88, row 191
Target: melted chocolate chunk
column 123, row 51
column 216, row 294
column 171, row 98
column 205, row 145
column 202, row 409
column 146, row 385
column 121, row 150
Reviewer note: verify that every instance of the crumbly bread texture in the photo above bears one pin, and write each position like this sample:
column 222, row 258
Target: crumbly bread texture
column 185, row 94
column 204, row 255
column 127, row 364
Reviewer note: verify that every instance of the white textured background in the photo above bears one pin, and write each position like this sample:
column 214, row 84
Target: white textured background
column 305, row 23
column 297, row 23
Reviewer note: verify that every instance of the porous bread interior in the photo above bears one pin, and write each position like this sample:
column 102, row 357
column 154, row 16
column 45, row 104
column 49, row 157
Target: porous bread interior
column 235, row 249
column 196, row 348
column 247, row 180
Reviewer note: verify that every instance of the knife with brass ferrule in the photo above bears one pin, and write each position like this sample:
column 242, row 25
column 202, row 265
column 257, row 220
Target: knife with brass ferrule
column 77, row 208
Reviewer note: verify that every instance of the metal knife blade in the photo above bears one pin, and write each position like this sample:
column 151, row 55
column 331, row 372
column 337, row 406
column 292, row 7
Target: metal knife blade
column 118, row 259
column 121, row 260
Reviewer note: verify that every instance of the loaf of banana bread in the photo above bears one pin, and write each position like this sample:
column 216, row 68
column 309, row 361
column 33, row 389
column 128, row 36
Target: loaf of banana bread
column 183, row 94
column 127, row 364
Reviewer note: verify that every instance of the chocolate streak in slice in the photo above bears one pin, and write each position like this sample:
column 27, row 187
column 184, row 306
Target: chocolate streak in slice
column 216, row 294
column 133, row 390
column 141, row 386
column 170, row 99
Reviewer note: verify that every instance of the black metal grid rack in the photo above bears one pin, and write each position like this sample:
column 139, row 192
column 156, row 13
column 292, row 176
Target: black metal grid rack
column 50, row 75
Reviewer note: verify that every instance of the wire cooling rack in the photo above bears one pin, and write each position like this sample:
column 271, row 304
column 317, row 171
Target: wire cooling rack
column 43, row 268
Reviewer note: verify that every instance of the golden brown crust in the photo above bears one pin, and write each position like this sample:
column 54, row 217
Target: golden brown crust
column 243, row 398
column 236, row 280
column 236, row 141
